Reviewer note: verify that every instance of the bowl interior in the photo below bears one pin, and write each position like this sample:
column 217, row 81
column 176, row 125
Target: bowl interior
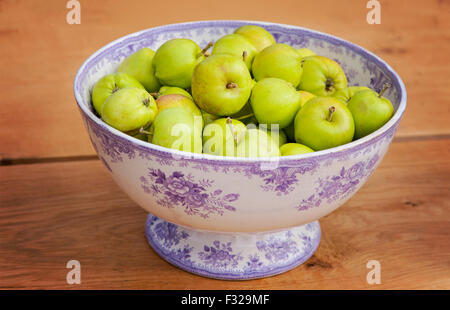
column 361, row 67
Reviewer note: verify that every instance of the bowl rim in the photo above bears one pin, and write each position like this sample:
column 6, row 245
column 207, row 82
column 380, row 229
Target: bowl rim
column 354, row 145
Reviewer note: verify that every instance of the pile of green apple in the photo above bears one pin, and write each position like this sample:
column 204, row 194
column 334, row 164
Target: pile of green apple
column 248, row 97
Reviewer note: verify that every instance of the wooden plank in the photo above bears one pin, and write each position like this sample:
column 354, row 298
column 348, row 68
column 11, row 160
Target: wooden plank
column 40, row 54
column 54, row 212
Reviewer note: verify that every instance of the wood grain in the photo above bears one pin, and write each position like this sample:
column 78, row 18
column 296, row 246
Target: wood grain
column 54, row 212
column 57, row 203
column 40, row 54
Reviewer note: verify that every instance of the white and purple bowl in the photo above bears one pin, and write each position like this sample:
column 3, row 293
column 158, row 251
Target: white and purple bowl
column 237, row 218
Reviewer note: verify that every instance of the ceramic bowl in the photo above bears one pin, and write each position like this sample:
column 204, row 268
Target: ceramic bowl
column 238, row 218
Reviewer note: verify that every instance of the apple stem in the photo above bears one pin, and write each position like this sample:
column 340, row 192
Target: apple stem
column 231, row 85
column 116, row 88
column 146, row 101
column 244, row 116
column 244, row 55
column 328, row 84
column 204, row 51
column 330, row 113
column 155, row 94
column 230, row 124
column 145, row 132
column 385, row 87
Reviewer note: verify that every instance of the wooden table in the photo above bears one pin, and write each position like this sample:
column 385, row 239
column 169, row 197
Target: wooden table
column 58, row 203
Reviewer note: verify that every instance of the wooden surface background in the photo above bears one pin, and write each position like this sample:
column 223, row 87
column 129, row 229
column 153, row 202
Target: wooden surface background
column 58, row 203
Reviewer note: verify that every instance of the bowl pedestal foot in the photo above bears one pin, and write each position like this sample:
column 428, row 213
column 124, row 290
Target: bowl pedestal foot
column 232, row 256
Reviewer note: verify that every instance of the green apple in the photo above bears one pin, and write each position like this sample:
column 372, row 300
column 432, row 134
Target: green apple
column 370, row 111
column 278, row 61
column 108, row 85
column 257, row 143
column 175, row 60
column 221, row 84
column 169, row 90
column 324, row 122
column 275, row 101
column 177, row 100
column 139, row 66
column 129, row 109
column 322, row 76
column 294, row 149
column 176, row 128
column 305, row 52
column 222, row 136
column 258, row 36
column 237, row 45
column 345, row 94
column 304, row 98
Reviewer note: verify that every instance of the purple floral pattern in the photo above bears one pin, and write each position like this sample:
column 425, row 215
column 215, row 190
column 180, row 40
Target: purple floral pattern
column 179, row 190
column 338, row 187
column 219, row 255
column 281, row 180
column 254, row 262
column 111, row 147
column 276, row 249
column 169, row 233
column 226, row 256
